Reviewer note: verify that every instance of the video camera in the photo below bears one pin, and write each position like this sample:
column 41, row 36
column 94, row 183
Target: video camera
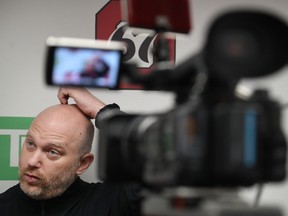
column 212, row 137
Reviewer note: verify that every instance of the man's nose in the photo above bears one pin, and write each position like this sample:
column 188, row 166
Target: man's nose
column 35, row 159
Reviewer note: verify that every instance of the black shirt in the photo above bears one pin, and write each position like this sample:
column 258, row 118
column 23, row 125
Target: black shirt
column 81, row 198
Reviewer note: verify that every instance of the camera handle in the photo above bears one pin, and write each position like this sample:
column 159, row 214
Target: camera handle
column 161, row 51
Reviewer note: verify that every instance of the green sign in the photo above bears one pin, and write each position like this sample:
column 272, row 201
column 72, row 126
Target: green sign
column 12, row 134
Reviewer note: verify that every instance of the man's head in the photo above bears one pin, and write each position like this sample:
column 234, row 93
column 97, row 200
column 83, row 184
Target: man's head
column 55, row 151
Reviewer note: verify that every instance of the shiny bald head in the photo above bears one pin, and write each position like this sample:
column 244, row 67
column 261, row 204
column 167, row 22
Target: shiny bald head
column 67, row 121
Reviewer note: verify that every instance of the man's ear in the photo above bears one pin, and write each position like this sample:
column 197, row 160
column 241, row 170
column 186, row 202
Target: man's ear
column 85, row 161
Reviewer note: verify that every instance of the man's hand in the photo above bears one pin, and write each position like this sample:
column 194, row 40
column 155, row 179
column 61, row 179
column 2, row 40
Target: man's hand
column 87, row 103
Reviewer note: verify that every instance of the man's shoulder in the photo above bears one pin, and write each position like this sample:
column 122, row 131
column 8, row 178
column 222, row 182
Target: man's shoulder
column 95, row 189
column 10, row 192
column 118, row 199
column 104, row 187
column 110, row 190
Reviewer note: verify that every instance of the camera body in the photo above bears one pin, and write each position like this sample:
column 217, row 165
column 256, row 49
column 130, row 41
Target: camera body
column 226, row 144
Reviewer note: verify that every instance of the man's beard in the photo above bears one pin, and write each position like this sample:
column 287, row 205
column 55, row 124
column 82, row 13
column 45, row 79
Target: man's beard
column 47, row 188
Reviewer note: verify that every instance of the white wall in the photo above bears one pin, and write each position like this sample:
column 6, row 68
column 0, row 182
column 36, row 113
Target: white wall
column 24, row 26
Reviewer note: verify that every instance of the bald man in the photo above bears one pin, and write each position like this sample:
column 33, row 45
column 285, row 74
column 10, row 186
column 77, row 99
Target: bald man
column 57, row 149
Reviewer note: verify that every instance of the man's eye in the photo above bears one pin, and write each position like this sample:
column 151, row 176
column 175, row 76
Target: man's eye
column 53, row 154
column 30, row 144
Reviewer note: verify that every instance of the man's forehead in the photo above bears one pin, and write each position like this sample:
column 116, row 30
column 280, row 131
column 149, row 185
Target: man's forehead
column 48, row 138
column 67, row 144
